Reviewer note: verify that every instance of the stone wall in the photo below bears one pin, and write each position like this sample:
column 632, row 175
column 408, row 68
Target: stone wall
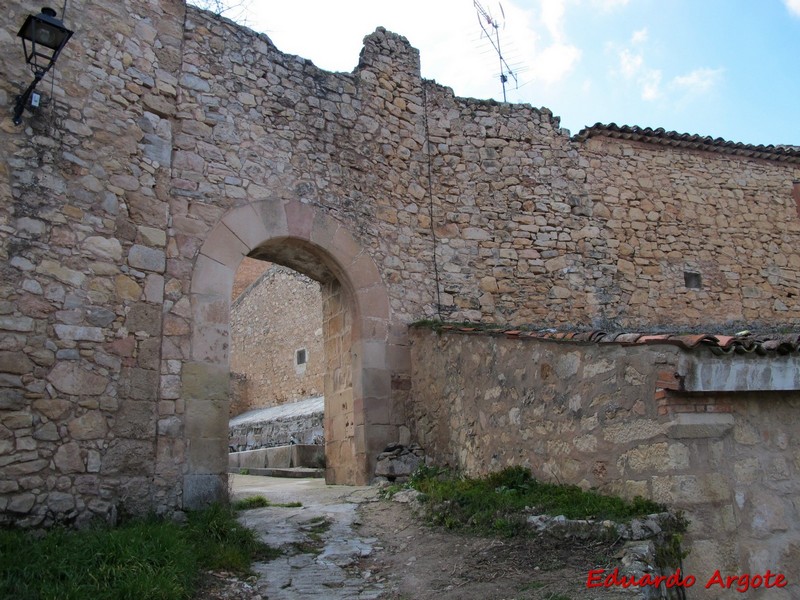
column 593, row 415
column 278, row 315
column 173, row 143
column 83, row 247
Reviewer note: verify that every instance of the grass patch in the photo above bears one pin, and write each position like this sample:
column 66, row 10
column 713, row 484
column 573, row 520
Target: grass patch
column 261, row 502
column 139, row 560
column 501, row 502
column 314, row 542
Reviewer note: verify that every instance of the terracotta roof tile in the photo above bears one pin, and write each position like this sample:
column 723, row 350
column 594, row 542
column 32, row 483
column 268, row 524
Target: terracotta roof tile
column 743, row 343
column 691, row 141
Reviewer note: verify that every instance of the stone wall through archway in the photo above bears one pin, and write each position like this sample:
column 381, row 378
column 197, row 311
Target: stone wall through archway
column 356, row 324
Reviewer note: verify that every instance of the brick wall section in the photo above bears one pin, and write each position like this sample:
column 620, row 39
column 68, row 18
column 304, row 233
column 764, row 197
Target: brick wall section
column 584, row 414
column 279, row 314
column 247, row 274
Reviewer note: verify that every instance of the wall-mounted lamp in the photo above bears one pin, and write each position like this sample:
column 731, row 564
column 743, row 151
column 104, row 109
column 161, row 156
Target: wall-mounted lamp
column 43, row 38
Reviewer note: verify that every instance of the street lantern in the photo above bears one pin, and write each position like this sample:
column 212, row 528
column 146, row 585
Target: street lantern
column 43, row 38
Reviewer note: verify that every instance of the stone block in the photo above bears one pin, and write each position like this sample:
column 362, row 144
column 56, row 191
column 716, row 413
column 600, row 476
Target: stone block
column 54, row 409
column 700, row 425
column 224, row 247
column 89, row 426
column 126, row 288
column 60, row 502
column 206, row 418
column 202, row 381
column 307, row 455
column 139, row 384
column 152, row 237
column 21, row 503
column 135, row 420
column 201, row 490
column 68, row 458
column 248, row 225
column 633, row 430
column 9, row 323
column 249, row 459
column 78, row 333
column 144, row 318
column 279, row 457
column 154, row 289
column 682, row 490
column 207, row 455
column 72, row 378
column 15, row 362
column 129, row 458
column 212, row 278
column 108, row 249
column 147, row 259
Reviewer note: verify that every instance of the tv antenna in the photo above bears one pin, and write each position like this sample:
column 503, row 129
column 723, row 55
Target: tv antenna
column 490, row 22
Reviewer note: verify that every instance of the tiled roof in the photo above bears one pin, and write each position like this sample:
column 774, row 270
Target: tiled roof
column 686, row 140
column 742, row 343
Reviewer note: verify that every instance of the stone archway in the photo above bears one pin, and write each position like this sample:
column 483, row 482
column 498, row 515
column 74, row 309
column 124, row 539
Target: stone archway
column 356, row 325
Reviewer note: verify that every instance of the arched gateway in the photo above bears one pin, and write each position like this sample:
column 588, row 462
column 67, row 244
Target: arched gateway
column 355, row 328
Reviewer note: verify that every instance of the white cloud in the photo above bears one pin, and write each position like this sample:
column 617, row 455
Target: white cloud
column 639, row 37
column 651, row 84
column 699, row 81
column 554, row 63
column 538, row 40
column 553, row 18
column 793, row 6
column 629, row 63
column 632, row 67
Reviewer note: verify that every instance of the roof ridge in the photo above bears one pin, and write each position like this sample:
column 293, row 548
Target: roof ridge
column 780, row 152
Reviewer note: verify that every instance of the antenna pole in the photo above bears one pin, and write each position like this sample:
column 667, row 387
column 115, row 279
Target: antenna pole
column 503, row 77
column 505, row 70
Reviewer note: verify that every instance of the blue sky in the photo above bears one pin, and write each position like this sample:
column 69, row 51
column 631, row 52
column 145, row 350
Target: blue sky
column 725, row 68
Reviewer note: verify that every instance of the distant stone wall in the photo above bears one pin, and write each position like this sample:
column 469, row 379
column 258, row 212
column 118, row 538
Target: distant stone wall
column 682, row 232
column 278, row 316
column 295, row 422
column 593, row 415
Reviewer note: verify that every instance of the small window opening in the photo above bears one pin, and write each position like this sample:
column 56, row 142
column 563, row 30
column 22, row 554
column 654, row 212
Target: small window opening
column 300, row 357
column 692, row 280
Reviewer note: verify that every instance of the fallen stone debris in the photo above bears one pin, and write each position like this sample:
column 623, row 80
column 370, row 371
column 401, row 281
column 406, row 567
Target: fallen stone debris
column 397, row 462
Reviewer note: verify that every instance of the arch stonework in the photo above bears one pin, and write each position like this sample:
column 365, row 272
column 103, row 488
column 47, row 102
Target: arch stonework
column 358, row 378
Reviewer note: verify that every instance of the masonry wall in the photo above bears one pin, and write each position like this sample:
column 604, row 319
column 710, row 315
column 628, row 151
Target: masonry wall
column 83, row 245
column 660, row 213
column 590, row 415
column 279, row 314
column 162, row 119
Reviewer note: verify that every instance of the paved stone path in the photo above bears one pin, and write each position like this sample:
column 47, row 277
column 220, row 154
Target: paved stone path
column 322, row 549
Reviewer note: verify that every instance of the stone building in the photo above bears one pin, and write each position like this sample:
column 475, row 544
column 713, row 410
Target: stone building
column 174, row 144
column 276, row 338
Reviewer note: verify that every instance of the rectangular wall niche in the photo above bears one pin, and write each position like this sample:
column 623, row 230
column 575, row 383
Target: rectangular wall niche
column 300, row 357
column 300, row 361
column 692, row 280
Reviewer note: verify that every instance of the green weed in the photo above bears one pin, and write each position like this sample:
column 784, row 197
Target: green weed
column 261, row 502
column 499, row 503
column 140, row 560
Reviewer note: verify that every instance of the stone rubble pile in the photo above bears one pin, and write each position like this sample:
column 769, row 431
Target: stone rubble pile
column 397, row 462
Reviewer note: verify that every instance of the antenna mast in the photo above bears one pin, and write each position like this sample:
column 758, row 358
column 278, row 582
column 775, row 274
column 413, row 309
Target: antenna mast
column 505, row 70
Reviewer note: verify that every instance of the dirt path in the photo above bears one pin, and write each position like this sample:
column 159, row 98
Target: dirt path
column 345, row 543
column 421, row 562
